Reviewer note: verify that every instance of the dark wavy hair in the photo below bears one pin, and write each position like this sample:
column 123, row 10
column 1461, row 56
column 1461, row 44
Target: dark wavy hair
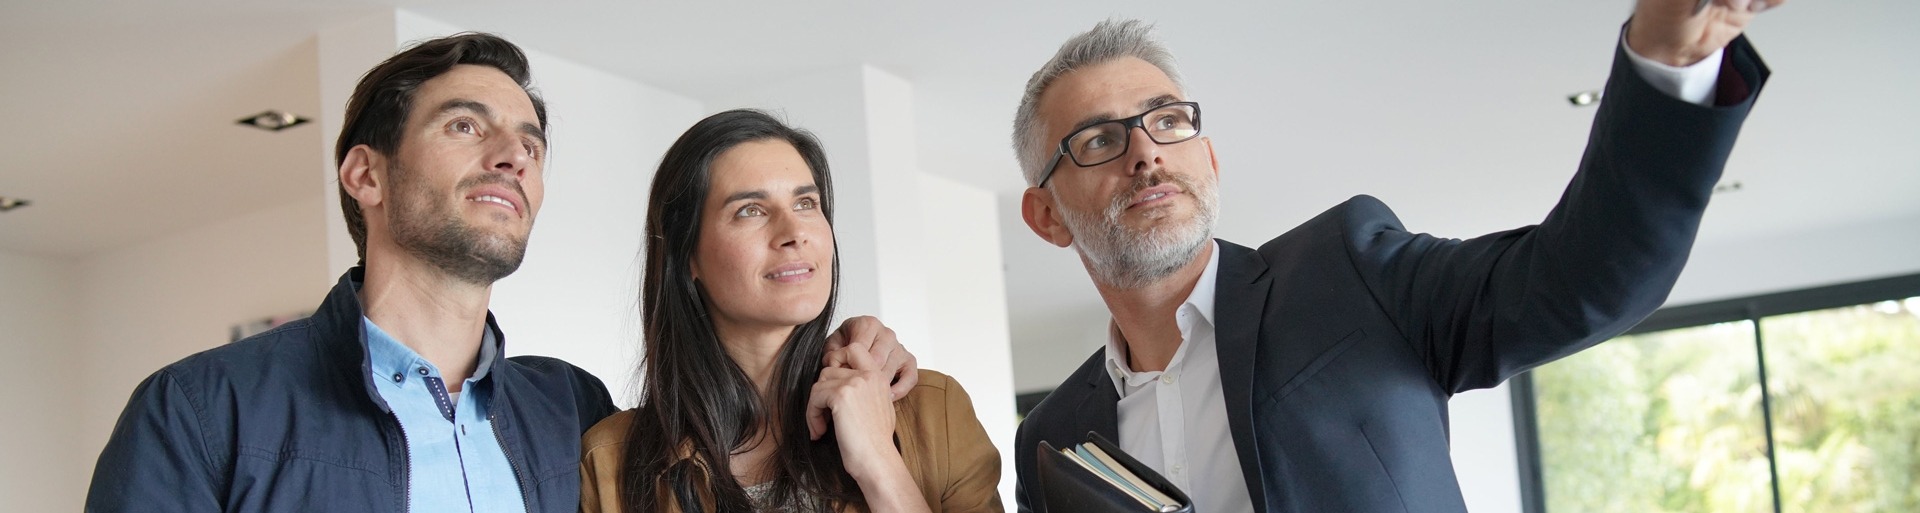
column 693, row 394
column 377, row 112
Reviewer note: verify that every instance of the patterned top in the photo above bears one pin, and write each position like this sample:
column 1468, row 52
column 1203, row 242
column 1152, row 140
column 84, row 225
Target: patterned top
column 761, row 494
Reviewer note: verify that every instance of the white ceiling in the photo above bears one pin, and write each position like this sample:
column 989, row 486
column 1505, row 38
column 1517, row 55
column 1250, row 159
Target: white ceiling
column 119, row 113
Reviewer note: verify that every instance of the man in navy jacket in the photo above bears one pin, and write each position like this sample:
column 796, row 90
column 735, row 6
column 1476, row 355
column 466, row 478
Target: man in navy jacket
column 1312, row 374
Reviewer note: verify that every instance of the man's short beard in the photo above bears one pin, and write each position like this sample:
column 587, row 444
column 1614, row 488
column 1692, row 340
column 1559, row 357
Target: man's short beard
column 427, row 226
column 1122, row 258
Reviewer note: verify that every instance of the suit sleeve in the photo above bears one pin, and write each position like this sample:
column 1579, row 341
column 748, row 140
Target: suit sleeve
column 1023, row 466
column 157, row 459
column 1483, row 309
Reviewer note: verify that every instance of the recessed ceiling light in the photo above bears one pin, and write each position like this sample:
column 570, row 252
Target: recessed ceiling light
column 273, row 120
column 1584, row 98
column 7, row 204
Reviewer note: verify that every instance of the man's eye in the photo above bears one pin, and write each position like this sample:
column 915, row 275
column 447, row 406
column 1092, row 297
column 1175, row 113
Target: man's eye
column 806, row 204
column 1096, row 142
column 463, row 126
column 750, row 211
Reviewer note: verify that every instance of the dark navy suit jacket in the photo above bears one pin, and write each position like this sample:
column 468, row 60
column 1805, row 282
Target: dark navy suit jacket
column 1341, row 340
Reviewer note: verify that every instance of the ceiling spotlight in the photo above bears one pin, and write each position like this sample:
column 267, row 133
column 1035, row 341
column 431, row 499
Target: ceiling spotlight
column 1584, row 98
column 7, row 204
column 273, row 120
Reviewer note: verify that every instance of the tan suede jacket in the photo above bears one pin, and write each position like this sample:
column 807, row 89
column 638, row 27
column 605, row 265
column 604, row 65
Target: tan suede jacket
column 944, row 446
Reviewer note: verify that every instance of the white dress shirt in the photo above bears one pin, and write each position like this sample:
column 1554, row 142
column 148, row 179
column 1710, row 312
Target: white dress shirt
column 1175, row 420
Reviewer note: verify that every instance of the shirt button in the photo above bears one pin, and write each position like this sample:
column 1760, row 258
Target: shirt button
column 397, row 377
column 1178, row 468
column 1168, row 379
column 423, row 371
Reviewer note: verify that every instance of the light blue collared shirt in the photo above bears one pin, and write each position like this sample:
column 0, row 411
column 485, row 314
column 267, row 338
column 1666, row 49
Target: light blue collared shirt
column 454, row 461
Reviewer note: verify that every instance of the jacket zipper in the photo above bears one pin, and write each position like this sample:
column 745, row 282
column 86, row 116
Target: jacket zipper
column 494, row 418
column 406, row 471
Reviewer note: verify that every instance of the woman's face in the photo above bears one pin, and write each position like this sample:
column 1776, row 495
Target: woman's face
column 765, row 253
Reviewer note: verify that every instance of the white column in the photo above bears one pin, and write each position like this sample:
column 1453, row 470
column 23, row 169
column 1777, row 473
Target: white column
column 967, row 295
column 347, row 51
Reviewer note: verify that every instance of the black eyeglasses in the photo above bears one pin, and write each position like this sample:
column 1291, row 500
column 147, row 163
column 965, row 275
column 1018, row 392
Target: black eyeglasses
column 1108, row 140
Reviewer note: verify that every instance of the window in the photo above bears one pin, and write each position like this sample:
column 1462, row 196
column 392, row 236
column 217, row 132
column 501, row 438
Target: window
column 1674, row 416
column 1845, row 393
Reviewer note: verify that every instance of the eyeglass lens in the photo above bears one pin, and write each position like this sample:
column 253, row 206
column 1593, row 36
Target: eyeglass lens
column 1100, row 143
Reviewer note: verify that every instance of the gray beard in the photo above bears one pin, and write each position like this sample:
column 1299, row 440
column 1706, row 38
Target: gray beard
column 1125, row 259
column 429, row 228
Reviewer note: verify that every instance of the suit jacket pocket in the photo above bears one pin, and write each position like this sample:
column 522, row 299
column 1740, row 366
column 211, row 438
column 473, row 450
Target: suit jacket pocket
column 1319, row 362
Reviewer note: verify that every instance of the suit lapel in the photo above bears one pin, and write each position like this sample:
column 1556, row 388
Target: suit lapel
column 1100, row 407
column 1240, row 300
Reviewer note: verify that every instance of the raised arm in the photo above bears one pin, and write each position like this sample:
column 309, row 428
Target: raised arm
column 1483, row 309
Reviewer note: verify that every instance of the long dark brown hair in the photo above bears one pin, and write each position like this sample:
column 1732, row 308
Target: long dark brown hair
column 693, row 394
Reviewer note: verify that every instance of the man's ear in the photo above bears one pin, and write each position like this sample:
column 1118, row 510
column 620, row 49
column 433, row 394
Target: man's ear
column 364, row 175
column 1043, row 216
column 1212, row 157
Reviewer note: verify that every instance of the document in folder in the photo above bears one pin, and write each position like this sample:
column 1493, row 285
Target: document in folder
column 1096, row 476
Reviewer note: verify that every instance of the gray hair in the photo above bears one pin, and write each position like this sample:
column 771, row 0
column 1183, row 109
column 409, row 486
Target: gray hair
column 1109, row 40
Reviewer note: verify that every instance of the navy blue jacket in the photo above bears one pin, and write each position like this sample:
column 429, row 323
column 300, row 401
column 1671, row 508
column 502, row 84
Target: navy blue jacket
column 289, row 420
column 1341, row 340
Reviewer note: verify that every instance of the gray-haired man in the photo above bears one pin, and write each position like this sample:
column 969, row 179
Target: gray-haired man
column 1326, row 356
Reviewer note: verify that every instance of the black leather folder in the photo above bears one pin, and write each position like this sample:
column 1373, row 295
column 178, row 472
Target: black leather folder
column 1067, row 487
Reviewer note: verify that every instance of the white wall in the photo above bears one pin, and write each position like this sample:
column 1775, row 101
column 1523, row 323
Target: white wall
column 1484, row 457
column 968, row 307
column 142, row 307
column 38, row 334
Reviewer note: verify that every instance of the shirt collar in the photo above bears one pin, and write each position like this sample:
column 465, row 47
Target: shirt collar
column 1196, row 309
column 393, row 360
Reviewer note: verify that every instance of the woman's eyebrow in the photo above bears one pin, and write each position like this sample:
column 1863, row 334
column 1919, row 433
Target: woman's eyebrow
column 745, row 195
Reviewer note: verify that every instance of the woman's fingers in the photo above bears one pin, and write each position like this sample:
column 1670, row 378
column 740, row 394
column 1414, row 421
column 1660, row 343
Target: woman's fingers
column 820, row 401
column 902, row 366
column 835, row 359
column 860, row 357
column 835, row 341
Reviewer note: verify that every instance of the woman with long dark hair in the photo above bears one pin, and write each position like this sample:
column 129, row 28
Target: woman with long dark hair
column 737, row 413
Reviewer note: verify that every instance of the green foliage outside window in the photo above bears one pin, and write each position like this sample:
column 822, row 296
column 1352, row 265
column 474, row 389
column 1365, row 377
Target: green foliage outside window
column 1671, row 421
column 1846, row 407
